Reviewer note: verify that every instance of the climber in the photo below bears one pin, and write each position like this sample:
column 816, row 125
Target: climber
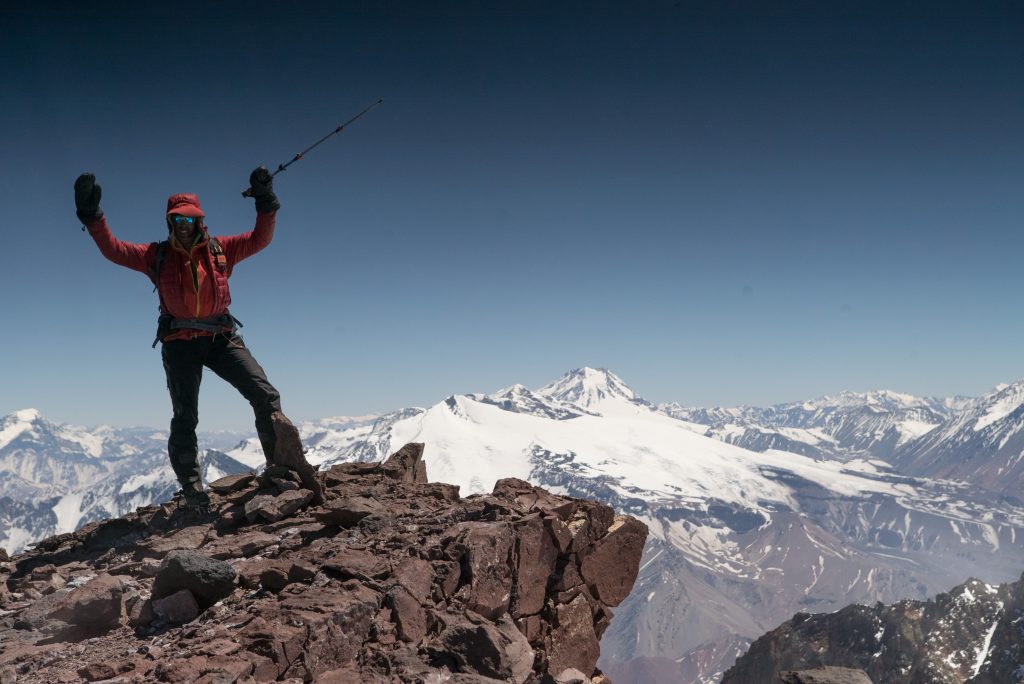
column 190, row 271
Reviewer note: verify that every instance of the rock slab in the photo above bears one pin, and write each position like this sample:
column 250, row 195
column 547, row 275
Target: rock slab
column 207, row 579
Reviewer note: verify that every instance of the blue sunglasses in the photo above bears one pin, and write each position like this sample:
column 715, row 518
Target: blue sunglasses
column 177, row 219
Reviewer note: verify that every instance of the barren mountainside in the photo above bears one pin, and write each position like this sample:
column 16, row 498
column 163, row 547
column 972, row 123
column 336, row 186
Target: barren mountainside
column 971, row 635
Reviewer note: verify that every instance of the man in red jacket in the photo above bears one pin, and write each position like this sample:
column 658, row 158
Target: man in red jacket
column 190, row 271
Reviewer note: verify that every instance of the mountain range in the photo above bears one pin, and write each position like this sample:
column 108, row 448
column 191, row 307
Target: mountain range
column 754, row 513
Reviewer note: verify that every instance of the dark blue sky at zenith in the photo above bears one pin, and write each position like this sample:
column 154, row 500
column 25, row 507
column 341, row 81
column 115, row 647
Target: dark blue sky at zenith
column 722, row 202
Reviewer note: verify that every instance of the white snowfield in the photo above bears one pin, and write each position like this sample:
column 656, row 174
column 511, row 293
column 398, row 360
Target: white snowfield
column 627, row 444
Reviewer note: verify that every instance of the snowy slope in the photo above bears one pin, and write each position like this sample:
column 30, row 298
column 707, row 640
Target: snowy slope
column 847, row 425
column 982, row 444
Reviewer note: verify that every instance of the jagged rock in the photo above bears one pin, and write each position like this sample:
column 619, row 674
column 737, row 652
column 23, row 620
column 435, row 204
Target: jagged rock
column 406, row 464
column 357, row 564
column 178, row 608
column 347, row 511
column 602, row 568
column 424, row 587
column 487, row 550
column 274, row 508
column 288, row 452
column 141, row 614
column 232, row 483
column 534, row 499
column 274, row 579
column 90, row 610
column 417, row 576
column 301, row 572
column 483, row 649
column 208, row 579
column 573, row 642
column 408, row 615
column 825, row 675
column 3, row 555
column 535, row 561
column 94, row 672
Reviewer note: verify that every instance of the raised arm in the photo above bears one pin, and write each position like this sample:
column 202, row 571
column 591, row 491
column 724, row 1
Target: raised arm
column 131, row 255
column 244, row 245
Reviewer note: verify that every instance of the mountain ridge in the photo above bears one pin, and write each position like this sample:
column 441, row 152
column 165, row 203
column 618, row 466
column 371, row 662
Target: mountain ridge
column 722, row 515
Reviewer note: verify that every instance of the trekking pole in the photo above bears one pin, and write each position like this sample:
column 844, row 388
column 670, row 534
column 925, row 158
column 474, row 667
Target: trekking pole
column 297, row 157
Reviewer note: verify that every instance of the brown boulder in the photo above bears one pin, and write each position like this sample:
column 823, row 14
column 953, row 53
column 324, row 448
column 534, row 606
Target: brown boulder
column 406, row 464
column 487, row 649
column 355, row 564
column 208, row 579
column 231, row 483
column 178, row 608
column 535, row 562
column 407, row 614
column 417, row 576
column 572, row 642
column 94, row 672
column 611, row 565
column 274, row 508
column 487, row 553
column 274, row 579
column 348, row 511
column 534, row 499
column 92, row 609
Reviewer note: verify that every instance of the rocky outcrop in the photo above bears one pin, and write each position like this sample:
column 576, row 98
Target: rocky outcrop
column 392, row 579
column 826, row 675
column 971, row 635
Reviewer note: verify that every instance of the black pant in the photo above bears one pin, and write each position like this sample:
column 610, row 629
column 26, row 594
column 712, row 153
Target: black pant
column 228, row 357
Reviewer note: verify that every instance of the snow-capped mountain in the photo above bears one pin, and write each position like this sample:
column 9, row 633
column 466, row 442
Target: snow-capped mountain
column 739, row 539
column 597, row 390
column 983, row 444
column 56, row 478
column 754, row 513
column 846, row 425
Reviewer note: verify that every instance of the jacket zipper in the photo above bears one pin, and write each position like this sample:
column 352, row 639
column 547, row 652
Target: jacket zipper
column 194, row 267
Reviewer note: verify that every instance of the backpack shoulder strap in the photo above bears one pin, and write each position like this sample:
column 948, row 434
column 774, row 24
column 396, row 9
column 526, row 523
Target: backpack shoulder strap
column 220, row 260
column 158, row 263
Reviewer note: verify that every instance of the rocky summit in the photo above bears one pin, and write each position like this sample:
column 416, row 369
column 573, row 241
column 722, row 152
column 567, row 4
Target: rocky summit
column 368, row 574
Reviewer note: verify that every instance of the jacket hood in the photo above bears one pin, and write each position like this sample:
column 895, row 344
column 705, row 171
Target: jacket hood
column 184, row 204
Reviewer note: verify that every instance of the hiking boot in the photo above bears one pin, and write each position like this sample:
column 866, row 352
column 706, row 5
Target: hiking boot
column 195, row 498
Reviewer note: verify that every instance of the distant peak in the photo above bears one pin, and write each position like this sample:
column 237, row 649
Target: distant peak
column 588, row 387
column 29, row 415
column 513, row 390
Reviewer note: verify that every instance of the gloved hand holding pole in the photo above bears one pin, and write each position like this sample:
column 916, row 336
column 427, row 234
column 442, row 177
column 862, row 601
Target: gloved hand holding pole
column 251, row 191
column 261, row 187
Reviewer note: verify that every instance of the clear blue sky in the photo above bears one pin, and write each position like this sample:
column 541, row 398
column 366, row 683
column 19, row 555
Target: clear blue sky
column 722, row 202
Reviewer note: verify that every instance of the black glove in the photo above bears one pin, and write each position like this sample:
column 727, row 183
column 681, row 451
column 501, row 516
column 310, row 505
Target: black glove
column 261, row 188
column 87, row 198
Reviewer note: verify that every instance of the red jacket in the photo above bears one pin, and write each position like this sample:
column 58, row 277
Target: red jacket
column 190, row 285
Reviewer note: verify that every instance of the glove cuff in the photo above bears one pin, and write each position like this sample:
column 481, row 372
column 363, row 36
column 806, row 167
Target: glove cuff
column 88, row 216
column 266, row 203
